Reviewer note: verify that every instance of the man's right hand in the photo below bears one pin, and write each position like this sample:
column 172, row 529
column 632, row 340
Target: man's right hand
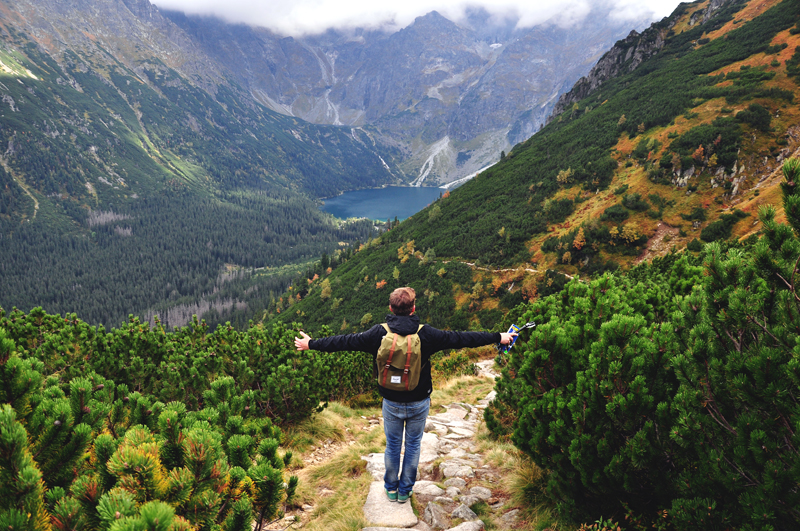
column 302, row 342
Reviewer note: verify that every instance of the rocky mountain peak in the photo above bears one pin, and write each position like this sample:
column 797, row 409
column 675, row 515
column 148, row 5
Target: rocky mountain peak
column 627, row 54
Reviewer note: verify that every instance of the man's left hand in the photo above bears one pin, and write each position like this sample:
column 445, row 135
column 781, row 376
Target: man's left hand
column 505, row 338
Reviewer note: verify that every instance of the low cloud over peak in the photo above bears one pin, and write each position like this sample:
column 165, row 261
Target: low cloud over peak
column 304, row 17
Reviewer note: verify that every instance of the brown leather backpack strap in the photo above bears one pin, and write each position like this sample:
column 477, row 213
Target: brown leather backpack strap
column 408, row 361
column 389, row 361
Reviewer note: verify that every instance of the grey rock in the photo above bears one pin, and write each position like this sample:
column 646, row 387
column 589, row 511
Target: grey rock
column 455, row 482
column 380, row 512
column 435, row 516
column 469, row 500
column 444, row 499
column 455, row 412
column 475, row 525
column 428, row 488
column 456, row 453
column 462, row 461
column 510, row 517
column 453, row 491
column 462, row 432
column 446, row 445
column 429, row 448
column 422, row 526
column 481, row 492
column 463, row 512
column 450, row 470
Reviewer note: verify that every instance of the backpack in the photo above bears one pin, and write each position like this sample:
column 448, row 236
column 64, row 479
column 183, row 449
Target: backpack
column 399, row 360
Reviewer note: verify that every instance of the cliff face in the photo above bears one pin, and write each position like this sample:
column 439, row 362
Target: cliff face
column 627, row 54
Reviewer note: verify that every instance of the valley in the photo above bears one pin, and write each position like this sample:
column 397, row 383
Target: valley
column 162, row 246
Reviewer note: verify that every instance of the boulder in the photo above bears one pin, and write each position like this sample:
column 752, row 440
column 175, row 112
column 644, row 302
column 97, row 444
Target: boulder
column 455, row 470
column 469, row 500
column 481, row 492
column 435, row 516
column 463, row 512
column 428, row 488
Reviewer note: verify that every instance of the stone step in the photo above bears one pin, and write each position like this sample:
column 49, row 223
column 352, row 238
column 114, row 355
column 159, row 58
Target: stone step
column 381, row 512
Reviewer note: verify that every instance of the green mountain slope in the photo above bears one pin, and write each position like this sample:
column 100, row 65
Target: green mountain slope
column 123, row 180
column 705, row 121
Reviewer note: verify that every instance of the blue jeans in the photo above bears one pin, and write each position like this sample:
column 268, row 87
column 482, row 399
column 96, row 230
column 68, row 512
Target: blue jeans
column 398, row 416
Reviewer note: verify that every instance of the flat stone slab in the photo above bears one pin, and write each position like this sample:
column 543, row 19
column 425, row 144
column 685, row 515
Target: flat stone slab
column 380, row 512
column 375, row 466
column 428, row 448
column 449, row 422
column 455, row 413
column 463, row 431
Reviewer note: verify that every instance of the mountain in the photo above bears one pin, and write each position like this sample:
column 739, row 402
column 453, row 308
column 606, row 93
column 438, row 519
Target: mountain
column 678, row 150
column 106, row 70
column 136, row 176
column 145, row 170
column 452, row 95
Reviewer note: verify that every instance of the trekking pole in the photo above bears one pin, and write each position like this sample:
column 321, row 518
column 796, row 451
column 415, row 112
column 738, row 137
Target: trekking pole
column 514, row 329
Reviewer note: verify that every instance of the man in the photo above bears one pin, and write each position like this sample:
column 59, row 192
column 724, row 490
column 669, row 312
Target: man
column 403, row 410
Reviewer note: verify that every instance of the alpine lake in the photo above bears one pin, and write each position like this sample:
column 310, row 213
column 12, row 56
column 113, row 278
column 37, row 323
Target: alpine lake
column 391, row 202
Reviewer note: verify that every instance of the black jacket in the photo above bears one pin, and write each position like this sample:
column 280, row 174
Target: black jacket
column 432, row 340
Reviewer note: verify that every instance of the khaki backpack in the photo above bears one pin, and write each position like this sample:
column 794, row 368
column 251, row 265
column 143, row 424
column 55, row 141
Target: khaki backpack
column 399, row 360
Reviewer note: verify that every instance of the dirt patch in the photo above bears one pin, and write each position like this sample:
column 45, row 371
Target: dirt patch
column 659, row 244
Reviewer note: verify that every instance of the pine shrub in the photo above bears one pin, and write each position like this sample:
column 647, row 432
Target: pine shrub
column 669, row 396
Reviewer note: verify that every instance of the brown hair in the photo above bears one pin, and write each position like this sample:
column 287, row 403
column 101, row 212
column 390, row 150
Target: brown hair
column 401, row 301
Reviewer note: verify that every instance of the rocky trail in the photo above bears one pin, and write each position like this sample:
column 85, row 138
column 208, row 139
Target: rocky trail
column 452, row 477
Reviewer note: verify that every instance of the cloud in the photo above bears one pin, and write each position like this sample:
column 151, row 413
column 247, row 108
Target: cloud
column 302, row 17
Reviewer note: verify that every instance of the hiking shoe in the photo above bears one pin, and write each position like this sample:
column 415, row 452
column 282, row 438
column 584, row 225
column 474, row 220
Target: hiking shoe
column 392, row 495
column 402, row 498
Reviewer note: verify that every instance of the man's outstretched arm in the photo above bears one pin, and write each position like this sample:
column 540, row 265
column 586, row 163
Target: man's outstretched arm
column 368, row 341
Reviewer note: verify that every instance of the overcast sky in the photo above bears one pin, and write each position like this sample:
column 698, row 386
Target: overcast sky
column 298, row 17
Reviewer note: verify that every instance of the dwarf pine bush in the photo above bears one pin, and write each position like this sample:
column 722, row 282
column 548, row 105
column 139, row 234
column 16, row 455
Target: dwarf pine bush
column 672, row 397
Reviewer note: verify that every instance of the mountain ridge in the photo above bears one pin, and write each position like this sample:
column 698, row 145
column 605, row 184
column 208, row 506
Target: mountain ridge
column 682, row 151
column 434, row 81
